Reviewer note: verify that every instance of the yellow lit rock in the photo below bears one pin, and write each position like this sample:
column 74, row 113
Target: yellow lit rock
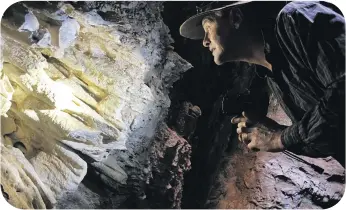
column 6, row 92
column 86, row 91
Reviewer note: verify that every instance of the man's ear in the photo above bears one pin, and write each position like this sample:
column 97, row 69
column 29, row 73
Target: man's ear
column 235, row 17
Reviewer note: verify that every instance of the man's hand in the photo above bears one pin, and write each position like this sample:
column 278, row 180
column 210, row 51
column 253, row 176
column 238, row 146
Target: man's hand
column 259, row 134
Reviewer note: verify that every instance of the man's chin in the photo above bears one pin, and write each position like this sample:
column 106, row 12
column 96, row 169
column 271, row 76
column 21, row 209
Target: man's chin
column 217, row 61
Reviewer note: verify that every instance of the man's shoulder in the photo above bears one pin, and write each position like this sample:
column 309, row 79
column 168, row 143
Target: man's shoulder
column 295, row 6
column 308, row 9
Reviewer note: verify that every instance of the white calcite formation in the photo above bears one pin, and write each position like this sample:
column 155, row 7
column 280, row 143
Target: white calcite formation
column 75, row 88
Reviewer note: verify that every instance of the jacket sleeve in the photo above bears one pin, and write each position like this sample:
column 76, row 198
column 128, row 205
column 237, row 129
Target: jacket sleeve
column 312, row 38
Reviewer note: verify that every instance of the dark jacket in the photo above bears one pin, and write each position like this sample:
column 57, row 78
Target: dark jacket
column 307, row 53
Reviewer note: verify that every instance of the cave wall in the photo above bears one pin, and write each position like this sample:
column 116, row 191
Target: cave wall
column 84, row 86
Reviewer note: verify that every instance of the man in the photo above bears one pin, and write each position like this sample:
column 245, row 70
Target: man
column 302, row 46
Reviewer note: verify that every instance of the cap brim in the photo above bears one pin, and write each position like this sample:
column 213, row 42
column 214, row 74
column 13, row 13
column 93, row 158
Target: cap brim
column 192, row 27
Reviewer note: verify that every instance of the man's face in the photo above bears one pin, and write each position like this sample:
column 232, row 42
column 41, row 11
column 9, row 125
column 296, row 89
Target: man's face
column 215, row 38
column 225, row 41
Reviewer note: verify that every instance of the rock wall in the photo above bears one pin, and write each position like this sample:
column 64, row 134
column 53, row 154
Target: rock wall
column 84, row 86
column 170, row 158
column 276, row 180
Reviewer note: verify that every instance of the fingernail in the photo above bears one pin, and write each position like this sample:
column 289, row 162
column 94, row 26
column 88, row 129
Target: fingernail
column 232, row 120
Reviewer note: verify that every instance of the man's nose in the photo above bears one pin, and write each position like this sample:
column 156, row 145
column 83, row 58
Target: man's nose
column 206, row 41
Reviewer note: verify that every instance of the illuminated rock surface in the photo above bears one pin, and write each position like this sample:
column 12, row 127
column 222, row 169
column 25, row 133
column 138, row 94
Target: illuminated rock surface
column 80, row 90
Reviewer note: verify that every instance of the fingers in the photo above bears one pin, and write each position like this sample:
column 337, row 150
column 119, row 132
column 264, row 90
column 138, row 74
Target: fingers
column 242, row 124
column 245, row 130
column 236, row 120
column 247, row 117
column 244, row 137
